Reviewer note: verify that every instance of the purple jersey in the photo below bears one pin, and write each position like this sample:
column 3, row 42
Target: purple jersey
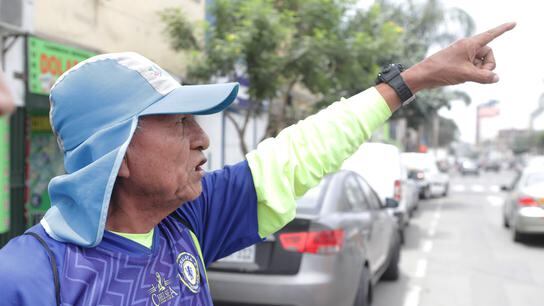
column 120, row 271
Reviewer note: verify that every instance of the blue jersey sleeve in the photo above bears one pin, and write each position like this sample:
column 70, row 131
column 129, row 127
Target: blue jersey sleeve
column 26, row 277
column 224, row 217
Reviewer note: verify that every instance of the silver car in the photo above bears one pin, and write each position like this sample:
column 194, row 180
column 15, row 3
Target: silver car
column 523, row 210
column 340, row 244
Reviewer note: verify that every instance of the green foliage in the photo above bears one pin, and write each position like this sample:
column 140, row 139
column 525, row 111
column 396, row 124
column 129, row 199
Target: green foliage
column 448, row 132
column 428, row 25
column 330, row 47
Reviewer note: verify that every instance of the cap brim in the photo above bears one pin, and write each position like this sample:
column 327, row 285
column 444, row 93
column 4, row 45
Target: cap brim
column 195, row 99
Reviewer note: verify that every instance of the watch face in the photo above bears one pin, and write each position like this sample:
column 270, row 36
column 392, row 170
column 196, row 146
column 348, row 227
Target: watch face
column 386, row 69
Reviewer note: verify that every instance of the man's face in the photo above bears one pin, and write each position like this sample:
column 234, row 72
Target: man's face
column 164, row 159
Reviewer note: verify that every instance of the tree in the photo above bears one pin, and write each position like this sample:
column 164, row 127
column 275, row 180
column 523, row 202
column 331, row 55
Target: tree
column 428, row 25
column 448, row 133
column 329, row 47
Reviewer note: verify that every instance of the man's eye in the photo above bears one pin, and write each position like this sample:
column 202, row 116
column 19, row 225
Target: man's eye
column 182, row 120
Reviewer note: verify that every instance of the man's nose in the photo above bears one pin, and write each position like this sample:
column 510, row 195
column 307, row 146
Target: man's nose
column 200, row 140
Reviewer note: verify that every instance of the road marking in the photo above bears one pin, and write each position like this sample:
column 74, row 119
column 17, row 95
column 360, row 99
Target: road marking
column 495, row 200
column 412, row 297
column 458, row 188
column 434, row 223
column 477, row 188
column 436, row 215
column 421, row 268
column 427, row 246
column 495, row 188
column 431, row 231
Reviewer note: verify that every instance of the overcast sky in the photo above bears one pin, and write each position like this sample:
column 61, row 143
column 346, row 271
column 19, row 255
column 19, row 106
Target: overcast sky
column 520, row 65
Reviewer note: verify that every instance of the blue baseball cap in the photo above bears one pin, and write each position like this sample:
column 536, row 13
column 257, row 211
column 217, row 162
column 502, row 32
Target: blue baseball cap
column 95, row 108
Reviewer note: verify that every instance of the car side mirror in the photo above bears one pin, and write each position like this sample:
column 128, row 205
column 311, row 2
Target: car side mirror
column 506, row 188
column 391, row 203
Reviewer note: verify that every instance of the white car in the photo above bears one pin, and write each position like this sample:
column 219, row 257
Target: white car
column 379, row 164
column 423, row 169
column 523, row 209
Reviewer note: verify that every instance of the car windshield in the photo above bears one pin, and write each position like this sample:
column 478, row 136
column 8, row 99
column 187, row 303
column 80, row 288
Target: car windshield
column 534, row 178
column 309, row 203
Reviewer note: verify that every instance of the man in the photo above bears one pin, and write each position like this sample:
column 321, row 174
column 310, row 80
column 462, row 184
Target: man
column 6, row 99
column 136, row 221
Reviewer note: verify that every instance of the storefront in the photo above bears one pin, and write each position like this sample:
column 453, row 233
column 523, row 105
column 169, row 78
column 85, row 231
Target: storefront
column 34, row 157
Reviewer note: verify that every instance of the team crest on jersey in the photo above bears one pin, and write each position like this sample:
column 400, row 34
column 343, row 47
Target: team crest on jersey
column 189, row 273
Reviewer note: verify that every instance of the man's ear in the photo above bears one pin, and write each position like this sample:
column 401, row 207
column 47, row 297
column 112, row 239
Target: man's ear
column 124, row 172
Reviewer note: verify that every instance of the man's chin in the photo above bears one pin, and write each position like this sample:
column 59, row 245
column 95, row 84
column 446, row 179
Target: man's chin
column 192, row 193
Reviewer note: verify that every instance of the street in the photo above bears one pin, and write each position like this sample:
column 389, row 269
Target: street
column 458, row 253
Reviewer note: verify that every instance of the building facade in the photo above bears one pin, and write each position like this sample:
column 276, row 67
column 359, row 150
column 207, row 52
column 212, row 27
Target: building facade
column 42, row 39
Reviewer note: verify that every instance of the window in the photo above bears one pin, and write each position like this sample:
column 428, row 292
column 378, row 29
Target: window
column 372, row 200
column 354, row 195
column 534, row 178
column 310, row 202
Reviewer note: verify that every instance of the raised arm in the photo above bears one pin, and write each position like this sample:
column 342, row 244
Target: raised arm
column 285, row 167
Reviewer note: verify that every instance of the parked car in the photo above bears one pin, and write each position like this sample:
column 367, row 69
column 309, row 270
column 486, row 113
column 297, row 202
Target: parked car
column 422, row 168
column 469, row 166
column 379, row 164
column 342, row 241
column 523, row 210
column 535, row 161
column 492, row 165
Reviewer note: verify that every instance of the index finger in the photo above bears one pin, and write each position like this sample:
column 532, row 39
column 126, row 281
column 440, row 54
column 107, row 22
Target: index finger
column 486, row 37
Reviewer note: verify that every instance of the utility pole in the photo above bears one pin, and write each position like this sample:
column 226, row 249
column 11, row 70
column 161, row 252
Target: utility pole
column 436, row 131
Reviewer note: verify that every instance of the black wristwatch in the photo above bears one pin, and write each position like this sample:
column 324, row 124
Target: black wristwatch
column 391, row 76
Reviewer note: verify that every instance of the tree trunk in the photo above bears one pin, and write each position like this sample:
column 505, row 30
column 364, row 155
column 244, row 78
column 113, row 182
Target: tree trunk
column 276, row 116
column 241, row 130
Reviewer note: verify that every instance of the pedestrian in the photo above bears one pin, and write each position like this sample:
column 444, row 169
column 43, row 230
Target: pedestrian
column 7, row 105
column 136, row 220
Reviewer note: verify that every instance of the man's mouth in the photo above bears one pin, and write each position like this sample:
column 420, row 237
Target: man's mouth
column 199, row 166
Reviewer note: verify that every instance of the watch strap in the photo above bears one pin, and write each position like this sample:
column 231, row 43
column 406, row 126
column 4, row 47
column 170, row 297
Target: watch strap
column 391, row 75
column 400, row 87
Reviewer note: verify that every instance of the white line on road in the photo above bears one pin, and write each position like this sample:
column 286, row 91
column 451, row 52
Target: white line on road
column 432, row 231
column 495, row 200
column 412, row 297
column 427, row 246
column 458, row 188
column 495, row 188
column 477, row 188
column 421, row 268
column 436, row 215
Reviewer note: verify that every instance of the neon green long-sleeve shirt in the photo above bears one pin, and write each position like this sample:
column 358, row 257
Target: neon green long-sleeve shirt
column 285, row 167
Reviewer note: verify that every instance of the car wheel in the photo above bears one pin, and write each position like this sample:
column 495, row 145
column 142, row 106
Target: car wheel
column 427, row 193
column 505, row 222
column 517, row 236
column 393, row 272
column 364, row 291
column 402, row 236
column 446, row 190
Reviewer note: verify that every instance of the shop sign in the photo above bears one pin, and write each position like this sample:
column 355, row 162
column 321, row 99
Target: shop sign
column 4, row 175
column 48, row 60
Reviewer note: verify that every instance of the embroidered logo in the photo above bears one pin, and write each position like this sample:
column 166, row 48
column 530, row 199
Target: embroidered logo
column 189, row 273
column 162, row 292
column 153, row 72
